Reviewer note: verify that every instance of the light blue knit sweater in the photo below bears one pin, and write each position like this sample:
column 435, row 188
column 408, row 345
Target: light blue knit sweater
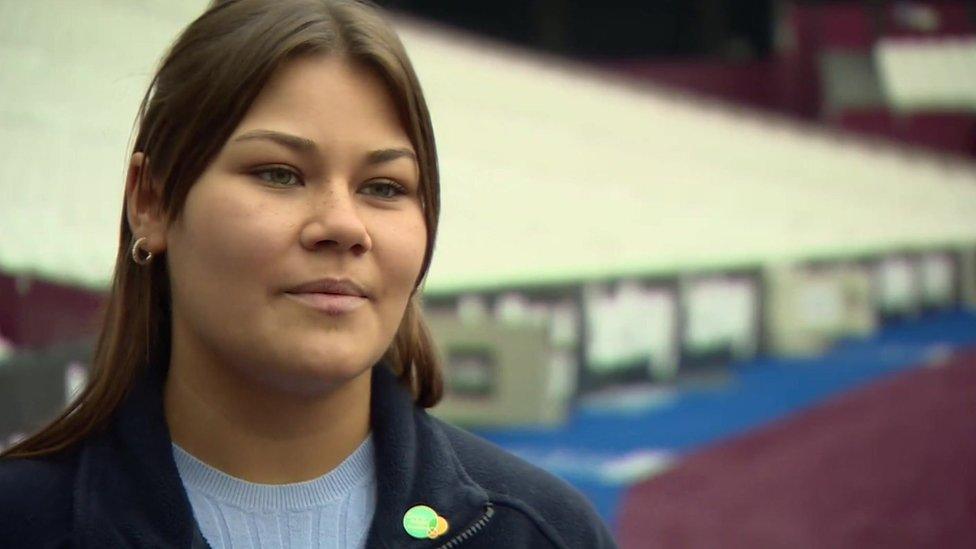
column 330, row 512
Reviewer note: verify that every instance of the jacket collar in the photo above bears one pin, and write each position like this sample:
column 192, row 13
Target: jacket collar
column 415, row 465
column 128, row 488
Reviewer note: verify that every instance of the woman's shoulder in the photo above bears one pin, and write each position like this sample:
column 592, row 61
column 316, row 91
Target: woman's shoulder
column 513, row 482
column 28, row 477
column 36, row 500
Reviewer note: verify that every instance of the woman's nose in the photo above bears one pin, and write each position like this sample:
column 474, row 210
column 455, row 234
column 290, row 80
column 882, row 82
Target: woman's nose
column 336, row 223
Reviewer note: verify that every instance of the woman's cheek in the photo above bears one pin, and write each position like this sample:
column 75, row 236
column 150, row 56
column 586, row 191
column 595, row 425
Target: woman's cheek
column 245, row 230
column 407, row 247
column 232, row 240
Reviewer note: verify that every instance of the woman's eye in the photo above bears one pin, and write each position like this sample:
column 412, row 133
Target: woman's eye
column 385, row 189
column 282, row 177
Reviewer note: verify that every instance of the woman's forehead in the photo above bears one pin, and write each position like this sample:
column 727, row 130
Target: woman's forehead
column 327, row 99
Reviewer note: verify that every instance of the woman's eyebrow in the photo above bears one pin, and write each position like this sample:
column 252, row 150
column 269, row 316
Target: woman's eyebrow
column 305, row 145
column 300, row 144
column 388, row 155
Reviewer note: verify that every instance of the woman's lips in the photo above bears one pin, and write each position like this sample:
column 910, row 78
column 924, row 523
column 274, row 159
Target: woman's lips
column 333, row 304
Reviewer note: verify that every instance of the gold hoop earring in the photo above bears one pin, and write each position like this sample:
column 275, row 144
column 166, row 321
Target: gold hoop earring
column 137, row 256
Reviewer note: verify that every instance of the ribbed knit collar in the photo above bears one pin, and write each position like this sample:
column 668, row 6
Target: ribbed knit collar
column 335, row 484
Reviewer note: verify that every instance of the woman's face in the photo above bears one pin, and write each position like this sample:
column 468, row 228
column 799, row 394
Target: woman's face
column 315, row 194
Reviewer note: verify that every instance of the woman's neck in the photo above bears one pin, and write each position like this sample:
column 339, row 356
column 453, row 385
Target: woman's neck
column 253, row 432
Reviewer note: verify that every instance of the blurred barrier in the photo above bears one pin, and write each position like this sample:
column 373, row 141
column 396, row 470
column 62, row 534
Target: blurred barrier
column 810, row 306
column 35, row 386
column 488, row 367
column 630, row 331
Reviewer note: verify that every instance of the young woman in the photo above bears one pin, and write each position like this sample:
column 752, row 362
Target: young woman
column 263, row 369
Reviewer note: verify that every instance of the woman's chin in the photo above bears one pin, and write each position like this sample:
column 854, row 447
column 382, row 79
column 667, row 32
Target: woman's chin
column 316, row 373
column 312, row 381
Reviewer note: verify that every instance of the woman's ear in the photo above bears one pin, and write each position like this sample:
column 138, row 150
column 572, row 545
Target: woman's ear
column 143, row 205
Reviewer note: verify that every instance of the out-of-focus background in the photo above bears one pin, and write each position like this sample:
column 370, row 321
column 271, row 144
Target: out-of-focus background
column 711, row 262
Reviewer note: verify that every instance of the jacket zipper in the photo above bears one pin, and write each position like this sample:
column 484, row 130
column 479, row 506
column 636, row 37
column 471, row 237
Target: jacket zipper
column 476, row 527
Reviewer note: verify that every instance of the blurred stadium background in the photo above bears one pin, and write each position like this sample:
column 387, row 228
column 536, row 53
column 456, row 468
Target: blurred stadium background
column 712, row 262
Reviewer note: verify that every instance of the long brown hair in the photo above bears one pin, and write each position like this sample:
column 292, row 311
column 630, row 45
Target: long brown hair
column 204, row 86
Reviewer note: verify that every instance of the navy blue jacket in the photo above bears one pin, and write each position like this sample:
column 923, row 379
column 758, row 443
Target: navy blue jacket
column 120, row 487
